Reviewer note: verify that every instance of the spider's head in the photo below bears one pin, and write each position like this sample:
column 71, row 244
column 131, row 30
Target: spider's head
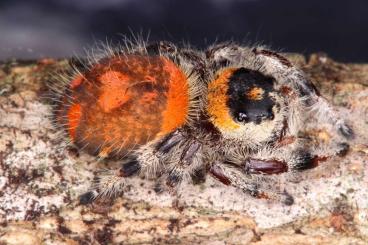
column 243, row 104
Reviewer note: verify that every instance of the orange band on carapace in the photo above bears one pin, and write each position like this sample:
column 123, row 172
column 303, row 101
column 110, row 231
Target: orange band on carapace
column 255, row 93
column 217, row 101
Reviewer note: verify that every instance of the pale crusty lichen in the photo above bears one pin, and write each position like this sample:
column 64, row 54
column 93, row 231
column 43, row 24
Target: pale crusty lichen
column 40, row 181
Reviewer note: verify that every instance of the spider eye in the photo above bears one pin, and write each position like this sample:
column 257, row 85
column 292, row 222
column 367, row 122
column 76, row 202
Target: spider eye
column 239, row 96
column 242, row 117
column 249, row 96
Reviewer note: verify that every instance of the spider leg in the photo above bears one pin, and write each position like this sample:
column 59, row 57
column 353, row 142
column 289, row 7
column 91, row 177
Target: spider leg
column 188, row 166
column 261, row 166
column 184, row 165
column 298, row 160
column 256, row 185
column 171, row 180
column 199, row 175
column 321, row 109
column 325, row 112
column 288, row 75
column 109, row 183
column 250, row 174
column 168, row 142
column 281, row 161
column 146, row 161
column 179, row 166
column 174, row 158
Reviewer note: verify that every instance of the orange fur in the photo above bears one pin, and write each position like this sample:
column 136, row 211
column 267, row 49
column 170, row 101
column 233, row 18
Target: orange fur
column 217, row 99
column 255, row 93
column 128, row 101
column 76, row 82
column 177, row 105
column 74, row 116
column 114, row 90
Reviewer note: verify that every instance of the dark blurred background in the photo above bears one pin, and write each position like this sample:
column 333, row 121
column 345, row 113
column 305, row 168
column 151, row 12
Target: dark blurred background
column 61, row 28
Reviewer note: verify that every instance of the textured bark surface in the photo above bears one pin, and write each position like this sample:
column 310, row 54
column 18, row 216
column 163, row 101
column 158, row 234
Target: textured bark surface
column 40, row 180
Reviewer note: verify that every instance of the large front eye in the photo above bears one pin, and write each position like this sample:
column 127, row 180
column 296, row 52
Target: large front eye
column 239, row 96
column 242, row 117
column 249, row 98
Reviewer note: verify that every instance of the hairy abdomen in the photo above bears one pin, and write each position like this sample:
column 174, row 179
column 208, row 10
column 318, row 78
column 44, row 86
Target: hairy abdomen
column 123, row 102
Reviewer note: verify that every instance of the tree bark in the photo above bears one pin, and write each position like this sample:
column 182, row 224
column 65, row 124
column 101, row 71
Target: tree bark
column 40, row 180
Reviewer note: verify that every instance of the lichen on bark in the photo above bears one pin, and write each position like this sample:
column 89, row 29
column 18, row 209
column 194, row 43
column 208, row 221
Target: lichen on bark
column 40, row 180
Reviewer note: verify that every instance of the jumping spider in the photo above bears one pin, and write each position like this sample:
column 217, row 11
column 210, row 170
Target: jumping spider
column 175, row 113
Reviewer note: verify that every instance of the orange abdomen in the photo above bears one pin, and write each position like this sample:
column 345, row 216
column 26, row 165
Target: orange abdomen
column 123, row 102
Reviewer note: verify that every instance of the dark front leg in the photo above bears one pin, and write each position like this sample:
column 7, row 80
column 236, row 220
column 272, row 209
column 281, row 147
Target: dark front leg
column 256, row 185
column 180, row 160
column 258, row 166
column 185, row 164
column 169, row 141
column 189, row 152
column 181, row 150
column 299, row 160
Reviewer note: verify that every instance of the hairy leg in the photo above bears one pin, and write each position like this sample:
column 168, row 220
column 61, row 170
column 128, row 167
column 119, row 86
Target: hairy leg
column 184, row 165
column 248, row 171
column 109, row 183
column 174, row 159
column 256, row 185
column 293, row 157
column 288, row 75
column 146, row 161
